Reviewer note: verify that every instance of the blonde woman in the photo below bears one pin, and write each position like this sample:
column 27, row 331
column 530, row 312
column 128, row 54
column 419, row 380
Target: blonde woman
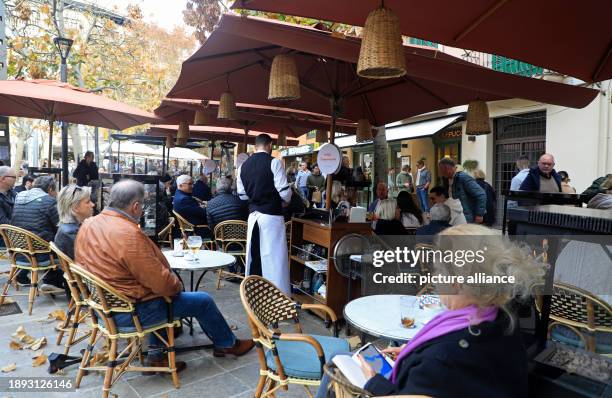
column 388, row 218
column 74, row 205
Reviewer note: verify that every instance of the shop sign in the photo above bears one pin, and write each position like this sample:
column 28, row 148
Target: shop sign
column 450, row 134
column 329, row 159
column 297, row 150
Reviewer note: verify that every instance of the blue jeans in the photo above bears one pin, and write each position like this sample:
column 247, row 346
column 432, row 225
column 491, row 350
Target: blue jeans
column 423, row 199
column 304, row 191
column 322, row 390
column 184, row 305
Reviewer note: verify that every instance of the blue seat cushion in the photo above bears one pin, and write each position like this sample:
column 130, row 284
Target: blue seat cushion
column 603, row 341
column 300, row 359
column 26, row 263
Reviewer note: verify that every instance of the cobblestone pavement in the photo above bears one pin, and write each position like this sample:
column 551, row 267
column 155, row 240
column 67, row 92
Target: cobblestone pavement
column 205, row 375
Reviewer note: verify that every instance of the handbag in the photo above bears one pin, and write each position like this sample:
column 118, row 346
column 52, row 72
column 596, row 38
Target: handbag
column 316, row 196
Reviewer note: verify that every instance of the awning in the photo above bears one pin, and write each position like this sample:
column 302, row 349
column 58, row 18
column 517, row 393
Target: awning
column 404, row 131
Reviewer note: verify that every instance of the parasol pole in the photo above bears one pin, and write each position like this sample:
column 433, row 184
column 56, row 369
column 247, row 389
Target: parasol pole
column 332, row 134
column 51, row 122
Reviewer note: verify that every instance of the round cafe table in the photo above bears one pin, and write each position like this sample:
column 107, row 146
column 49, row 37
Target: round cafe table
column 379, row 316
column 208, row 260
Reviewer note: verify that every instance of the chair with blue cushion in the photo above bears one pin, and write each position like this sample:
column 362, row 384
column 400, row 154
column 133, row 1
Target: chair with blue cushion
column 25, row 251
column 285, row 358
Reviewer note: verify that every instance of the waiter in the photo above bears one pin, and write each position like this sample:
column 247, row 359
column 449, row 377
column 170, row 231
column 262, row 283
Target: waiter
column 263, row 182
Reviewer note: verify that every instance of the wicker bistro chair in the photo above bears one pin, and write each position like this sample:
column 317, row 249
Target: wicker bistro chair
column 231, row 238
column 580, row 311
column 77, row 307
column 104, row 302
column 285, row 358
column 165, row 237
column 22, row 247
column 188, row 228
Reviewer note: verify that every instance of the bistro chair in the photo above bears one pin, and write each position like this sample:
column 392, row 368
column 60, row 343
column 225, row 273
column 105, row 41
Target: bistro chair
column 165, row 237
column 285, row 358
column 578, row 310
column 231, row 238
column 22, row 247
column 77, row 308
column 188, row 228
column 104, row 302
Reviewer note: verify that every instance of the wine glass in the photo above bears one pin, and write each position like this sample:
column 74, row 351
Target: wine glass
column 194, row 243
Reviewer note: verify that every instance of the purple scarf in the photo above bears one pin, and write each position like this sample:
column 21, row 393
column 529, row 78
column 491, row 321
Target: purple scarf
column 444, row 323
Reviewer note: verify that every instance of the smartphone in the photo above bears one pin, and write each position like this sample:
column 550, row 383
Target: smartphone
column 377, row 360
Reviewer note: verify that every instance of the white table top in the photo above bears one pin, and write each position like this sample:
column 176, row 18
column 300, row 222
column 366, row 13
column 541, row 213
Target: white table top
column 208, row 259
column 379, row 316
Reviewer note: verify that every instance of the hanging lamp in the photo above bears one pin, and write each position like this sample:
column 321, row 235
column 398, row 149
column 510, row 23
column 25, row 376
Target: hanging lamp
column 169, row 141
column 364, row 131
column 382, row 52
column 477, row 119
column 284, row 79
column 241, row 148
column 321, row 136
column 183, row 134
column 201, row 118
column 227, row 107
column 281, row 140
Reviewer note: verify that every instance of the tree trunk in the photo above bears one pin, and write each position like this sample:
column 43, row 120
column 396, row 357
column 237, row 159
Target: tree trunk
column 77, row 147
column 380, row 157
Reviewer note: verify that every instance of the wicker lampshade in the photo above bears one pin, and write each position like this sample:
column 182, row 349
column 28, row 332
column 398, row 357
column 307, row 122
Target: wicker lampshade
column 477, row 119
column 284, row 79
column 281, row 140
column 241, row 148
column 183, row 134
column 202, row 118
column 169, row 141
column 321, row 136
column 382, row 54
column 227, row 107
column 364, row 130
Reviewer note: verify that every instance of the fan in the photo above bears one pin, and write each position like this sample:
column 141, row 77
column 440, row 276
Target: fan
column 348, row 245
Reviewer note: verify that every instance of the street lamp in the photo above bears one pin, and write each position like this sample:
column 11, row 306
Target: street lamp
column 63, row 46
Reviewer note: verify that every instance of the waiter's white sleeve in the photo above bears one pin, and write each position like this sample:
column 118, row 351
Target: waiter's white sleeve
column 240, row 187
column 280, row 180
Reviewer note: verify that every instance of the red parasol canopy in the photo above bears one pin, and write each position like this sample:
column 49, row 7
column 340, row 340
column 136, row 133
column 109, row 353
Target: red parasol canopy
column 213, row 133
column 562, row 35
column 238, row 54
column 271, row 119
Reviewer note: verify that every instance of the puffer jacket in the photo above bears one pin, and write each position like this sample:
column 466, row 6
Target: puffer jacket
column 36, row 211
column 65, row 238
column 472, row 197
column 7, row 201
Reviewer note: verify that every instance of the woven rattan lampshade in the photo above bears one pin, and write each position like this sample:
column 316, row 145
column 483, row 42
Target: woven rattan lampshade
column 241, row 148
column 284, row 79
column 202, row 118
column 364, row 130
column 282, row 139
column 169, row 141
column 227, row 107
column 321, row 136
column 183, row 134
column 477, row 119
column 382, row 53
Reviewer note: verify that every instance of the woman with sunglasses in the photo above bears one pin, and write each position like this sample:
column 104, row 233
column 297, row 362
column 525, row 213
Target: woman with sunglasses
column 74, row 205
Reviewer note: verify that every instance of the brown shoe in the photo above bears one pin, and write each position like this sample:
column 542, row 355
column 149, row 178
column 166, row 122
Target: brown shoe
column 163, row 363
column 239, row 349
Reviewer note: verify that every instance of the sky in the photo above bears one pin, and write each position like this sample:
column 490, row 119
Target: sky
column 165, row 13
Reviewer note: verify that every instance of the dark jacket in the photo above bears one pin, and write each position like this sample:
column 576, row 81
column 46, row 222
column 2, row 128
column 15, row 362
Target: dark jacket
column 202, row 191
column 460, row 364
column 19, row 188
column 185, row 205
column 489, row 217
column 7, row 201
column 389, row 227
column 595, row 188
column 426, row 233
column 225, row 207
column 531, row 183
column 84, row 173
column 36, row 212
column 65, row 238
column 472, row 197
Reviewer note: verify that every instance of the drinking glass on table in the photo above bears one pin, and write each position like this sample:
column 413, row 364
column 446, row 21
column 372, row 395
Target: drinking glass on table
column 194, row 243
column 408, row 307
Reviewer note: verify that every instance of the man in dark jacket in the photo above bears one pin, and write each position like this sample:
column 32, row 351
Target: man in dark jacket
column 440, row 218
column 463, row 187
column 7, row 194
column 543, row 177
column 225, row 206
column 36, row 211
column 595, row 188
column 86, row 171
column 201, row 190
column 185, row 205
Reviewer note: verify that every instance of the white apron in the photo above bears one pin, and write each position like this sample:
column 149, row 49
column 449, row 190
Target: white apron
column 273, row 249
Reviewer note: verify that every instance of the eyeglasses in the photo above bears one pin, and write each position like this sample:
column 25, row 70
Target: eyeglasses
column 15, row 177
column 76, row 189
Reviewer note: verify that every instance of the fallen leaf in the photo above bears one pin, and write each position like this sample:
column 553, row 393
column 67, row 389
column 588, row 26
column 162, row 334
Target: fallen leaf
column 98, row 357
column 39, row 360
column 38, row 344
column 19, row 332
column 9, row 368
column 58, row 315
column 27, row 339
column 8, row 300
column 15, row 345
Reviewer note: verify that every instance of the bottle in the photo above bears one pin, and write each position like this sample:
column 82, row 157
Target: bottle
column 317, row 282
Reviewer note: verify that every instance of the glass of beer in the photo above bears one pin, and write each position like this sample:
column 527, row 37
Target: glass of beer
column 408, row 308
column 194, row 243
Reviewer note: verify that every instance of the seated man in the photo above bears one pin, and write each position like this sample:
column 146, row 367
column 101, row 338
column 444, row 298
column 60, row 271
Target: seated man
column 112, row 247
column 440, row 216
column 439, row 195
column 185, row 205
column 225, row 206
column 201, row 190
column 35, row 210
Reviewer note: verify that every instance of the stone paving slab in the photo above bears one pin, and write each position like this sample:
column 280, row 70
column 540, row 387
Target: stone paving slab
column 205, row 375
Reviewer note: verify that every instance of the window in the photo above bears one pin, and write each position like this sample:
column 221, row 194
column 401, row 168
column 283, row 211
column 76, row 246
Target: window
column 420, row 42
column 311, row 134
column 512, row 66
